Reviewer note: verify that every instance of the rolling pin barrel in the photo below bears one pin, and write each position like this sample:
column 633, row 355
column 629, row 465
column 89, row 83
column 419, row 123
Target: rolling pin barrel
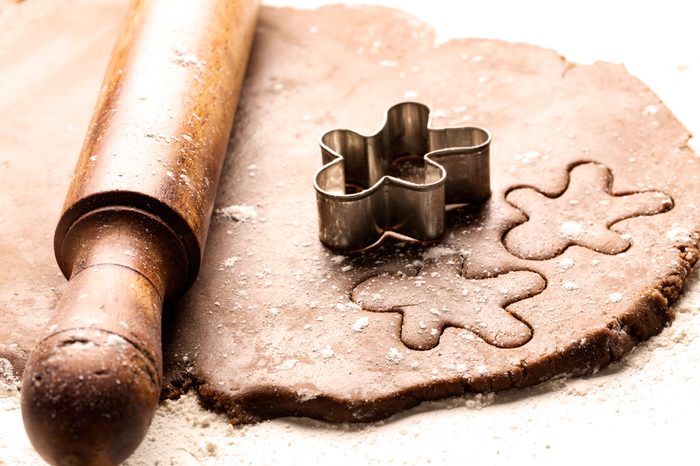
column 134, row 224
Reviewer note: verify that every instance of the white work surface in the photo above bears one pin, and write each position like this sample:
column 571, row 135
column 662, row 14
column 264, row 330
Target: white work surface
column 643, row 409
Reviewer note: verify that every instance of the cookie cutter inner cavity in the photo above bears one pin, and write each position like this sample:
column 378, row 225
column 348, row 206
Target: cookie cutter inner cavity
column 398, row 180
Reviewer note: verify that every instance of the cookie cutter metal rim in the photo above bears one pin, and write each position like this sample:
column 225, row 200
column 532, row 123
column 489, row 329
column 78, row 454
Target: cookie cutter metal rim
column 439, row 137
column 339, row 159
column 386, row 179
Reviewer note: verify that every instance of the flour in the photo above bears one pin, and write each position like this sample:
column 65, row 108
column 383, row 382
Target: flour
column 437, row 252
column 230, row 262
column 183, row 58
column 646, row 398
column 528, row 157
column 571, row 229
column 565, row 263
column 360, row 324
column 394, row 355
column 327, row 352
column 238, row 213
column 15, row 448
column 8, row 382
column 639, row 395
column 680, row 234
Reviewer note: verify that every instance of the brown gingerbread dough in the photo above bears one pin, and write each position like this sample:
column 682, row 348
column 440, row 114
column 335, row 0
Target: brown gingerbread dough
column 589, row 234
column 588, row 237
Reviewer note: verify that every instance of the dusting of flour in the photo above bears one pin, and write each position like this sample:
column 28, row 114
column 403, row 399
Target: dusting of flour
column 14, row 445
column 238, row 213
column 637, row 398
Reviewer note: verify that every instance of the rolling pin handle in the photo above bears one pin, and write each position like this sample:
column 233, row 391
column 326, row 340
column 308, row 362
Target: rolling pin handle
column 91, row 387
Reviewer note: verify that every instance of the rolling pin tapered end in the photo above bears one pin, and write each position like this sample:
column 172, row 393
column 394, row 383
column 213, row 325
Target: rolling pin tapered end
column 88, row 397
column 91, row 386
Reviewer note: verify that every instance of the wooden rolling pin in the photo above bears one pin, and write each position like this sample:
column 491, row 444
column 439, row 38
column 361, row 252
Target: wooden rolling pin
column 134, row 224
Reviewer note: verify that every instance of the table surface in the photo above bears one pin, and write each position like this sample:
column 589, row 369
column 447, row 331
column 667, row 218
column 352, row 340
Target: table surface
column 642, row 408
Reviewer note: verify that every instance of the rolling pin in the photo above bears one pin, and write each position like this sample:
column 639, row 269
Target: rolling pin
column 134, row 224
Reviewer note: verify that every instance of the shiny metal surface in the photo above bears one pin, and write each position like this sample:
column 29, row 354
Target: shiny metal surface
column 398, row 180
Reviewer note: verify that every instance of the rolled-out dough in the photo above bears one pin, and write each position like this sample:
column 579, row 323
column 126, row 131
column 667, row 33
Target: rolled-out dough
column 589, row 234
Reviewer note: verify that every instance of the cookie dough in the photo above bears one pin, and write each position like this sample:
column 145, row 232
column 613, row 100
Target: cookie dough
column 588, row 236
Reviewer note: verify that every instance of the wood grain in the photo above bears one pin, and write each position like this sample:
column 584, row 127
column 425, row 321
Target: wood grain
column 134, row 224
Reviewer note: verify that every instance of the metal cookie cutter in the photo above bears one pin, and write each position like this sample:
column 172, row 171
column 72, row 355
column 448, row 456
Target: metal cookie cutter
column 398, row 180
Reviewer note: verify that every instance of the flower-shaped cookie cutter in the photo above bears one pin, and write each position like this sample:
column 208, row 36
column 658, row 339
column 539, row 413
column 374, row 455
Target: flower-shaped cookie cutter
column 398, row 180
